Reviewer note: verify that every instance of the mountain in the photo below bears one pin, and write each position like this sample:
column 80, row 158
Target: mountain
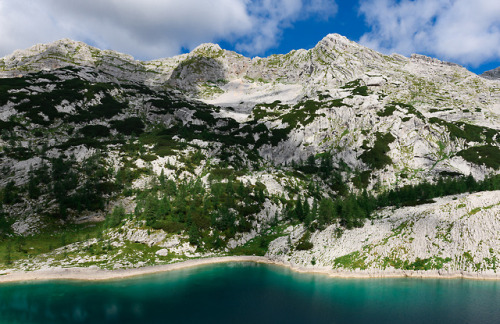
column 315, row 158
column 492, row 74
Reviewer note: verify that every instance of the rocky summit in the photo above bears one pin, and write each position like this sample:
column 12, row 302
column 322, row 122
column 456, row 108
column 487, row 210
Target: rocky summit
column 336, row 157
column 492, row 74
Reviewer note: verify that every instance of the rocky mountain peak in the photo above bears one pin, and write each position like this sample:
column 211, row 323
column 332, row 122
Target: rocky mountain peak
column 207, row 47
column 492, row 74
column 63, row 46
column 336, row 38
column 337, row 42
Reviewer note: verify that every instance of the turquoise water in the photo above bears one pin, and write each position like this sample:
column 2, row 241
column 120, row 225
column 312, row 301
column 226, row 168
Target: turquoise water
column 251, row 293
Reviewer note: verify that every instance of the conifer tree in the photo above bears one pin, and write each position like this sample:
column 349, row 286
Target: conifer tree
column 326, row 165
column 8, row 253
column 162, row 180
column 33, row 185
column 4, row 223
column 299, row 210
column 326, row 212
column 241, row 190
column 311, row 160
column 306, row 207
column 10, row 194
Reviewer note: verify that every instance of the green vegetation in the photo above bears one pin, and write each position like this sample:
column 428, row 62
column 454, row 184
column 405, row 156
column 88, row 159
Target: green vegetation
column 162, row 139
column 361, row 180
column 52, row 237
column 435, row 263
column 351, row 210
column 304, row 242
column 74, row 187
column 256, row 246
column 211, row 216
column 303, row 113
column 357, row 88
column 470, row 133
column 388, row 111
column 487, row 155
column 376, row 156
column 95, row 131
column 40, row 109
column 129, row 126
column 108, row 108
column 350, row 261
column 202, row 198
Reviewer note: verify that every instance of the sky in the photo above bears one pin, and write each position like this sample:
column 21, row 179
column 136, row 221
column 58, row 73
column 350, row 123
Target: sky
column 466, row 32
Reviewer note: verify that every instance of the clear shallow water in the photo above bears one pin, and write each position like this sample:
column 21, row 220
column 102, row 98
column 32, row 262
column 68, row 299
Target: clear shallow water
column 251, row 293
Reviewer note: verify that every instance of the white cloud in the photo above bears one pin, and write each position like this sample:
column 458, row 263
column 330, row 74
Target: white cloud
column 463, row 31
column 269, row 17
column 154, row 28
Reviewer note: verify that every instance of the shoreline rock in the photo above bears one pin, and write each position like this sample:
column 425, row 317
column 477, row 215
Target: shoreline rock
column 93, row 274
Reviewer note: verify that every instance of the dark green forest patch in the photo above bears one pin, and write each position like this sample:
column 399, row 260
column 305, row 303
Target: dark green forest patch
column 487, row 155
column 376, row 157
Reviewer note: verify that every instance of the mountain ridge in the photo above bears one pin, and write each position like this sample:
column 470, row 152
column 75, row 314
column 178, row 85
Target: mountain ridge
column 318, row 68
column 492, row 74
column 89, row 53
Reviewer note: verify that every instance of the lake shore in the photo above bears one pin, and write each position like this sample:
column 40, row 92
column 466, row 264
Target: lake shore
column 96, row 274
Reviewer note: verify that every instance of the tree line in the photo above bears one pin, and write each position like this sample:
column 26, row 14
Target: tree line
column 351, row 210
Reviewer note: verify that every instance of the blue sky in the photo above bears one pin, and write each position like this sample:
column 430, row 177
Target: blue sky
column 462, row 31
column 351, row 22
column 307, row 33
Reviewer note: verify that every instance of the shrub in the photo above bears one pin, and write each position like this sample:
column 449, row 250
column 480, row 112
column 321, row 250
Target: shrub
column 388, row 111
column 488, row 155
column 468, row 132
column 95, row 131
column 304, row 243
column 361, row 180
column 376, row 156
column 108, row 108
column 116, row 216
column 129, row 126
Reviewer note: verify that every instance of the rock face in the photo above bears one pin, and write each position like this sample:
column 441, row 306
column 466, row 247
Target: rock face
column 360, row 92
column 453, row 234
column 492, row 74
column 272, row 124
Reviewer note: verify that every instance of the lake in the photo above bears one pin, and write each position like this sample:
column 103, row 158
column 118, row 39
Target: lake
column 251, row 293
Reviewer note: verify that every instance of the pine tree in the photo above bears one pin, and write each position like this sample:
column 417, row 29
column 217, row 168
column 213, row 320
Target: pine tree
column 163, row 208
column 230, row 193
column 326, row 212
column 117, row 215
column 314, row 212
column 150, row 210
column 10, row 194
column 8, row 254
column 171, row 188
column 299, row 210
column 241, row 190
column 326, row 166
column 33, row 185
column 311, row 161
column 311, row 215
column 261, row 197
column 162, row 180
column 470, row 183
column 194, row 235
column 4, row 223
column 43, row 173
column 217, row 242
column 306, row 207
